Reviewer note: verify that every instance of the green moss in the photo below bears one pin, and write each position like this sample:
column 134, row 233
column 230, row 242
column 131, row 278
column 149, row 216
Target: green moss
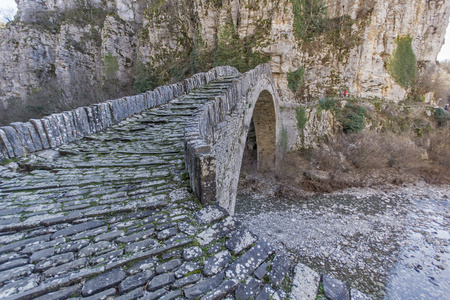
column 402, row 65
column 295, row 79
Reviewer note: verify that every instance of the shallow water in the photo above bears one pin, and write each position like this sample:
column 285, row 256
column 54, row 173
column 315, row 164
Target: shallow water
column 390, row 245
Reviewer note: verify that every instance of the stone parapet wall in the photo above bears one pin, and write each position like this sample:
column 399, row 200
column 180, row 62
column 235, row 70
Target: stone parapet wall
column 19, row 139
column 215, row 137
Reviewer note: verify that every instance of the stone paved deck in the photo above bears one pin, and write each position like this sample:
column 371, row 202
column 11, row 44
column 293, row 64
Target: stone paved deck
column 111, row 216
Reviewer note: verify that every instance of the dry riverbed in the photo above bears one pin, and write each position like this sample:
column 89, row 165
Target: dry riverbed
column 389, row 242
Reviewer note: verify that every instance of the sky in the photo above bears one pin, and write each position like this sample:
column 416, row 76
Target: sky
column 6, row 5
column 443, row 55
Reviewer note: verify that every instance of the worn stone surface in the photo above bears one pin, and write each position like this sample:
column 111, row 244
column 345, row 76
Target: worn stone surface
column 204, row 286
column 241, row 240
column 103, row 282
column 334, row 289
column 305, row 283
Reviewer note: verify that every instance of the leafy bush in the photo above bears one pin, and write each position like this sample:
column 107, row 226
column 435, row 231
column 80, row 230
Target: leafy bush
column 402, row 65
column 235, row 52
column 301, row 117
column 309, row 18
column 442, row 117
column 353, row 118
column 295, row 79
column 327, row 104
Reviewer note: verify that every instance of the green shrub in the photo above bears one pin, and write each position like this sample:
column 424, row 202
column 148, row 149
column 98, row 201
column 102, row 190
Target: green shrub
column 353, row 118
column 295, row 79
column 301, row 117
column 442, row 117
column 232, row 51
column 309, row 18
column 327, row 104
column 402, row 65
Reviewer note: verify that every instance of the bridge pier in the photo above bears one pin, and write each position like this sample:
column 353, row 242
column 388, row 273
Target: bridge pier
column 222, row 125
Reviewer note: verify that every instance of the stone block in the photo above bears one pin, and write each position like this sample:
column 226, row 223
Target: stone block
column 91, row 119
column 222, row 290
column 10, row 134
column 240, row 240
column 41, row 132
column 161, row 281
column 135, row 281
column 71, row 230
column 334, row 289
column 52, row 131
column 61, row 125
column 210, row 214
column 249, row 261
column 192, row 253
column 203, row 287
column 103, row 282
column 216, row 263
column 168, row 266
column 34, row 135
column 248, row 289
column 265, row 293
column 70, row 126
column 24, row 136
column 81, row 122
column 186, row 281
column 280, row 268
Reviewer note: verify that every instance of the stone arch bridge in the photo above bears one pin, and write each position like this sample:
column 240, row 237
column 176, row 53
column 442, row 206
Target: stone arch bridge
column 214, row 138
column 93, row 203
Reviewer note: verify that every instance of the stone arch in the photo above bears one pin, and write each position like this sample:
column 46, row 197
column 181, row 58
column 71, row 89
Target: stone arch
column 264, row 119
column 261, row 104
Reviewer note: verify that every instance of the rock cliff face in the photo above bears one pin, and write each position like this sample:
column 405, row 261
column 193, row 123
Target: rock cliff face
column 337, row 44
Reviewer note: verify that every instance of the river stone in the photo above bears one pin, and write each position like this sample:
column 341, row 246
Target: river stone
column 204, row 286
column 216, row 263
column 334, row 289
column 240, row 240
column 357, row 295
column 305, row 283
column 103, row 282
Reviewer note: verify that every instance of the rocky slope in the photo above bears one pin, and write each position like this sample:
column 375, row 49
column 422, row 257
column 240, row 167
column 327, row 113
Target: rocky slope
column 335, row 45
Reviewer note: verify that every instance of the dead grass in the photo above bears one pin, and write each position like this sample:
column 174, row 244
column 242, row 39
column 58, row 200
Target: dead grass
column 367, row 159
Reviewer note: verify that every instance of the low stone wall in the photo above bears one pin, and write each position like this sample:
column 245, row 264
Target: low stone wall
column 19, row 139
column 215, row 137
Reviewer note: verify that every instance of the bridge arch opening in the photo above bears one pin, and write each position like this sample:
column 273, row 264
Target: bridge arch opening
column 264, row 124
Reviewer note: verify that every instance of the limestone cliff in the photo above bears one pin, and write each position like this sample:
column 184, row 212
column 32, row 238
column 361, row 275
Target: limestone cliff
column 336, row 44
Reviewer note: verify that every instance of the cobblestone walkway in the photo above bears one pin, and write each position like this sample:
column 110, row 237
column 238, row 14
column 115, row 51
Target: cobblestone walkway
column 110, row 216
